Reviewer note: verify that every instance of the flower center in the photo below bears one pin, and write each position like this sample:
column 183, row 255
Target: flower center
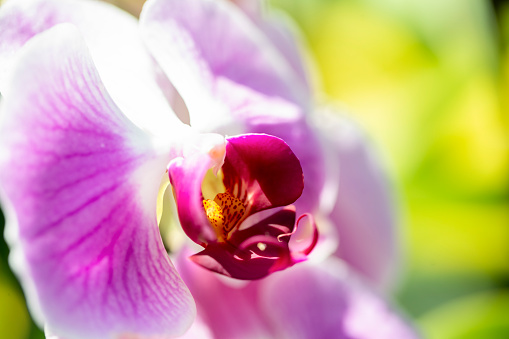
column 224, row 213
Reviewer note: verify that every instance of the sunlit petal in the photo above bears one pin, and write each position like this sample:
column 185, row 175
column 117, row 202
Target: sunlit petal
column 327, row 301
column 127, row 70
column 362, row 208
column 205, row 45
column 82, row 183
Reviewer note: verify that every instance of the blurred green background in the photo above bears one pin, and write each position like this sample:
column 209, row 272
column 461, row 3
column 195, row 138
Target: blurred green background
column 429, row 81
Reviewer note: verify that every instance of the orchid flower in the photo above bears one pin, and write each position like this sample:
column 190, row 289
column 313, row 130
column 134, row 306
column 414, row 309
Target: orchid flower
column 260, row 172
column 93, row 115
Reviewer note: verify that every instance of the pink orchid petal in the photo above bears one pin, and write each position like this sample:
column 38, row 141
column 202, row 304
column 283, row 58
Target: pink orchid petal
column 230, row 310
column 263, row 170
column 282, row 32
column 186, row 176
column 201, row 44
column 82, row 182
column 186, row 172
column 284, row 35
column 326, row 301
column 363, row 211
column 112, row 36
column 198, row 330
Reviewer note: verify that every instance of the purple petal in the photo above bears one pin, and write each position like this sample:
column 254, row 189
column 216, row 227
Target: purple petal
column 217, row 259
column 269, row 223
column 363, row 212
column 112, row 35
column 325, row 301
column 203, row 45
column 241, row 258
column 82, row 184
column 264, row 170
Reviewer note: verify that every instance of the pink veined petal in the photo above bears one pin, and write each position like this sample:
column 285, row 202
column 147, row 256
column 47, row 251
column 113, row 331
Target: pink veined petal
column 201, row 44
column 326, row 301
column 363, row 211
column 112, row 36
column 82, row 182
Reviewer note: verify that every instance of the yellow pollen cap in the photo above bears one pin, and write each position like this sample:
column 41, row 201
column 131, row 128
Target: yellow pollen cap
column 224, row 213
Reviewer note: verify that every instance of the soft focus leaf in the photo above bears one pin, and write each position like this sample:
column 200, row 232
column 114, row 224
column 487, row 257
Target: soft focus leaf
column 479, row 317
column 14, row 318
column 451, row 237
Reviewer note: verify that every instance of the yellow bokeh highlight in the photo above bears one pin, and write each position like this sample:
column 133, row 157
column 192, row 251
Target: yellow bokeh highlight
column 452, row 237
column 482, row 316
